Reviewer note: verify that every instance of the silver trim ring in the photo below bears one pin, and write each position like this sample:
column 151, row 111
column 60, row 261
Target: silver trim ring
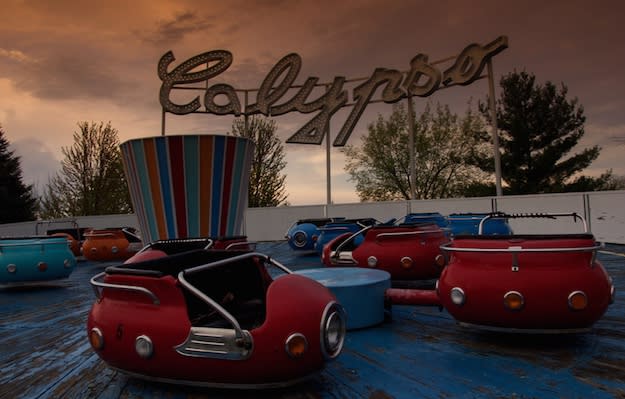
column 150, row 345
column 292, row 337
column 300, row 234
column 98, row 332
column 571, row 297
column 514, row 293
column 331, row 309
column 459, row 290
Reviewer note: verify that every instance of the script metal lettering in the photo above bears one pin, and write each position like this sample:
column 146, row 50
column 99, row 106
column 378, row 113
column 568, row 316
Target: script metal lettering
column 422, row 80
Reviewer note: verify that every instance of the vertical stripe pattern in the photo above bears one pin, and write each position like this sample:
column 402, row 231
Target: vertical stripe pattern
column 188, row 186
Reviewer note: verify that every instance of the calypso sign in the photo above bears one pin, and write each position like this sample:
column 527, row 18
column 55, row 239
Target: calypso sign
column 421, row 80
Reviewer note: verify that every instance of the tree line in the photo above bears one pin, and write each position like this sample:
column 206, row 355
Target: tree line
column 91, row 180
column 538, row 127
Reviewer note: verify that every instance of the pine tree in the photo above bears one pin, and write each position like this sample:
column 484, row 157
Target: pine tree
column 538, row 128
column 17, row 203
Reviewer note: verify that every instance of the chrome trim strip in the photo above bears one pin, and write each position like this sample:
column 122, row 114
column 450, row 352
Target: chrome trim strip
column 95, row 284
column 216, row 343
column 343, row 258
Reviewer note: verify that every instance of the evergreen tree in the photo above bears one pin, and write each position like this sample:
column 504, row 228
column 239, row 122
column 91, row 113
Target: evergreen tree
column 538, row 127
column 17, row 203
column 91, row 180
column 267, row 183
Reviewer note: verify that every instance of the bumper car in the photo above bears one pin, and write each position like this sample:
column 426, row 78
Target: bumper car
column 478, row 223
column 214, row 318
column 525, row 283
column 406, row 251
column 25, row 260
column 303, row 234
column 111, row 244
column 332, row 230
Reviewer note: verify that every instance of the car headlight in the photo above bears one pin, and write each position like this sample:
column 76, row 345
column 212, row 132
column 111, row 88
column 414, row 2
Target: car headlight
column 513, row 300
column 299, row 239
column 144, row 346
column 296, row 345
column 457, row 296
column 333, row 328
column 578, row 300
column 96, row 338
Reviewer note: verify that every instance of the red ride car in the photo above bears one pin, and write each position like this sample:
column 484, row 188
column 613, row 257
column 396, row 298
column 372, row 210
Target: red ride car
column 407, row 252
column 214, row 318
column 545, row 283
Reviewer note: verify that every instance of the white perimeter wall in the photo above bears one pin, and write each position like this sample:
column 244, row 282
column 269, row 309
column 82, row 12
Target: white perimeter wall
column 604, row 212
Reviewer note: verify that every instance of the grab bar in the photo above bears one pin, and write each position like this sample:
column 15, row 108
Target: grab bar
column 210, row 302
column 501, row 215
column 133, row 288
column 237, row 258
column 516, row 249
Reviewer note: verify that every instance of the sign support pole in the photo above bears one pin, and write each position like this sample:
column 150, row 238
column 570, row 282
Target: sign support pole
column 411, row 139
column 493, row 113
column 328, row 171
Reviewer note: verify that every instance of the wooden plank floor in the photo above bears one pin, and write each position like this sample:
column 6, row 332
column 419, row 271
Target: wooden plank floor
column 420, row 353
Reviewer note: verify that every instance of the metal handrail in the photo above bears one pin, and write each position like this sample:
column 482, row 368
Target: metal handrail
column 501, row 215
column 351, row 238
column 237, row 258
column 238, row 244
column 130, row 233
column 518, row 249
column 95, row 284
column 210, row 302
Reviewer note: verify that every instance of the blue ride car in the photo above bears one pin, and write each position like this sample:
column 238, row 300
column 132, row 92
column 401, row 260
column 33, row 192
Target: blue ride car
column 425, row 217
column 469, row 223
column 303, row 234
column 35, row 259
column 334, row 229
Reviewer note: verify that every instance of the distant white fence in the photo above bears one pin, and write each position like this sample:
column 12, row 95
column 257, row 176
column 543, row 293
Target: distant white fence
column 604, row 212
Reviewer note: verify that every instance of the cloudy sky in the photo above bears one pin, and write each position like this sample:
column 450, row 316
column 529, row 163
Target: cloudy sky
column 66, row 61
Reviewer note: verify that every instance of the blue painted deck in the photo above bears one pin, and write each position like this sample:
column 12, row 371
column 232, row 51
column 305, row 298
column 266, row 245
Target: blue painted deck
column 421, row 353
